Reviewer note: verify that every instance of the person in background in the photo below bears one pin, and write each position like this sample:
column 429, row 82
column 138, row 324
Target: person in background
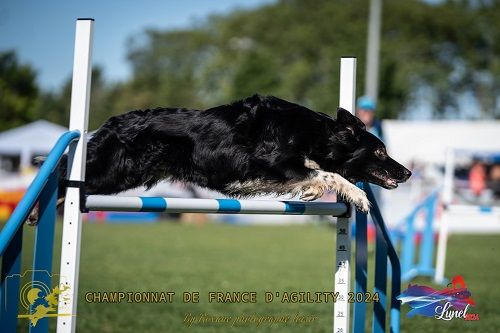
column 477, row 178
column 365, row 111
column 495, row 180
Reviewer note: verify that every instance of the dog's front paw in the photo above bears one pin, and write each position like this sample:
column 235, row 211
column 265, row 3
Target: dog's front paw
column 360, row 200
column 311, row 193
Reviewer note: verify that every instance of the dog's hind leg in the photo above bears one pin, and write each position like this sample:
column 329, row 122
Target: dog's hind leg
column 32, row 219
column 314, row 187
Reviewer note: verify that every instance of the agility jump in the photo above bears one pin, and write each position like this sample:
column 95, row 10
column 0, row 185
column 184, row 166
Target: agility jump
column 44, row 190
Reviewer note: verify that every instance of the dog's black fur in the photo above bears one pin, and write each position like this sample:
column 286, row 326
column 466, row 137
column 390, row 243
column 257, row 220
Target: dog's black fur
column 253, row 146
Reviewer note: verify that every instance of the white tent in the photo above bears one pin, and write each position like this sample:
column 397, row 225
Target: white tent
column 36, row 138
column 427, row 141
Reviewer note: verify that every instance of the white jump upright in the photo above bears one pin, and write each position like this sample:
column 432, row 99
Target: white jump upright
column 80, row 98
column 341, row 311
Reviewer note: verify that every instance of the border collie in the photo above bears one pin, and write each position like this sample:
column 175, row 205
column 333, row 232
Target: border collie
column 259, row 145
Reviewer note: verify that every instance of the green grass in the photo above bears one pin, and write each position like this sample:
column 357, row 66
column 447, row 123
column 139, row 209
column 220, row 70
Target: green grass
column 178, row 258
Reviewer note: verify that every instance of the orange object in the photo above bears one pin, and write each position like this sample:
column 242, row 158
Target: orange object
column 477, row 178
column 8, row 202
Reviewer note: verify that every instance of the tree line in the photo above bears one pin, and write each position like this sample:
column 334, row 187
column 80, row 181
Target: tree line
column 434, row 55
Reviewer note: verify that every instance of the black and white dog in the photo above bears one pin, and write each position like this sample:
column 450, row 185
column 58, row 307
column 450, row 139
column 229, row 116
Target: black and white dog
column 259, row 145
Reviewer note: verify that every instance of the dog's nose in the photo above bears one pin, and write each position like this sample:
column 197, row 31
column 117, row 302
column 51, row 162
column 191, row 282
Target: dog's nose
column 407, row 173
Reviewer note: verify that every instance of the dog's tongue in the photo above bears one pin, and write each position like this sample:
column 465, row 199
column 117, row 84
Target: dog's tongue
column 391, row 183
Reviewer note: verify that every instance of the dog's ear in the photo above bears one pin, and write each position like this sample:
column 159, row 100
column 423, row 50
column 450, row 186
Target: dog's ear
column 348, row 128
column 347, row 118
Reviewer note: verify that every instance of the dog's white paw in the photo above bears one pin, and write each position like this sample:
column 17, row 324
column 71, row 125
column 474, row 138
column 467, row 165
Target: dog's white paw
column 312, row 193
column 360, row 200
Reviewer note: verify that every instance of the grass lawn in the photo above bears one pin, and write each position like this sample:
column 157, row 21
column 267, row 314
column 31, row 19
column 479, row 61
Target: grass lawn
column 179, row 258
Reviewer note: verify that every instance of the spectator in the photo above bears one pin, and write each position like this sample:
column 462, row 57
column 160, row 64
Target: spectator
column 477, row 178
column 366, row 112
column 495, row 180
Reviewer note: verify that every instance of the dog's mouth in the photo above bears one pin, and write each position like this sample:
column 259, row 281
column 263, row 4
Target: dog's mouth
column 376, row 178
column 380, row 180
column 385, row 181
column 390, row 184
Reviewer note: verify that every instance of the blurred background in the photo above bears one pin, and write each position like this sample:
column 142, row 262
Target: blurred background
column 429, row 72
column 430, row 69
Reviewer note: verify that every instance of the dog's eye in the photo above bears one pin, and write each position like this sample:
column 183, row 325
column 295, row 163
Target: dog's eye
column 381, row 153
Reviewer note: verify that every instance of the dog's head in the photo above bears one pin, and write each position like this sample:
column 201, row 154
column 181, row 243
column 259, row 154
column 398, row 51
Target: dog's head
column 366, row 158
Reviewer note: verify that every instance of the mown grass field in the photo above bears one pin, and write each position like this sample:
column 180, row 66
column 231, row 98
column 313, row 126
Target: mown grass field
column 179, row 258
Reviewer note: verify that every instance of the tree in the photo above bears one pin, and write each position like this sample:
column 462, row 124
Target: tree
column 441, row 51
column 18, row 92
column 442, row 56
column 55, row 106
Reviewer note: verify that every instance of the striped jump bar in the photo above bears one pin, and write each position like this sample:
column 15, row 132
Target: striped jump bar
column 222, row 206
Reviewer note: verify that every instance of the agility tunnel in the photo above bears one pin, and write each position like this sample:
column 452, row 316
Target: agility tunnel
column 44, row 191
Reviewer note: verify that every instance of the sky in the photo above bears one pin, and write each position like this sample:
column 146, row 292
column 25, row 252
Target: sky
column 42, row 32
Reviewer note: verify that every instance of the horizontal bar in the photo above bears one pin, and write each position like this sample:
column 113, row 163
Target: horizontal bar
column 221, row 206
column 33, row 192
column 469, row 209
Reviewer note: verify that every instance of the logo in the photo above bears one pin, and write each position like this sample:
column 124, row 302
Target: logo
column 37, row 298
column 454, row 301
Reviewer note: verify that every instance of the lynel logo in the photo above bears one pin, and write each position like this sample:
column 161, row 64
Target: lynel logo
column 451, row 302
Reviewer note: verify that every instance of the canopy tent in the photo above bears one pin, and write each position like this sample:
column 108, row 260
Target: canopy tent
column 36, row 138
column 427, row 141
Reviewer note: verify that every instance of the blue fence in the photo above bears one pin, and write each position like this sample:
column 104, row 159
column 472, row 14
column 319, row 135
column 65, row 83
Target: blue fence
column 44, row 189
column 407, row 233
